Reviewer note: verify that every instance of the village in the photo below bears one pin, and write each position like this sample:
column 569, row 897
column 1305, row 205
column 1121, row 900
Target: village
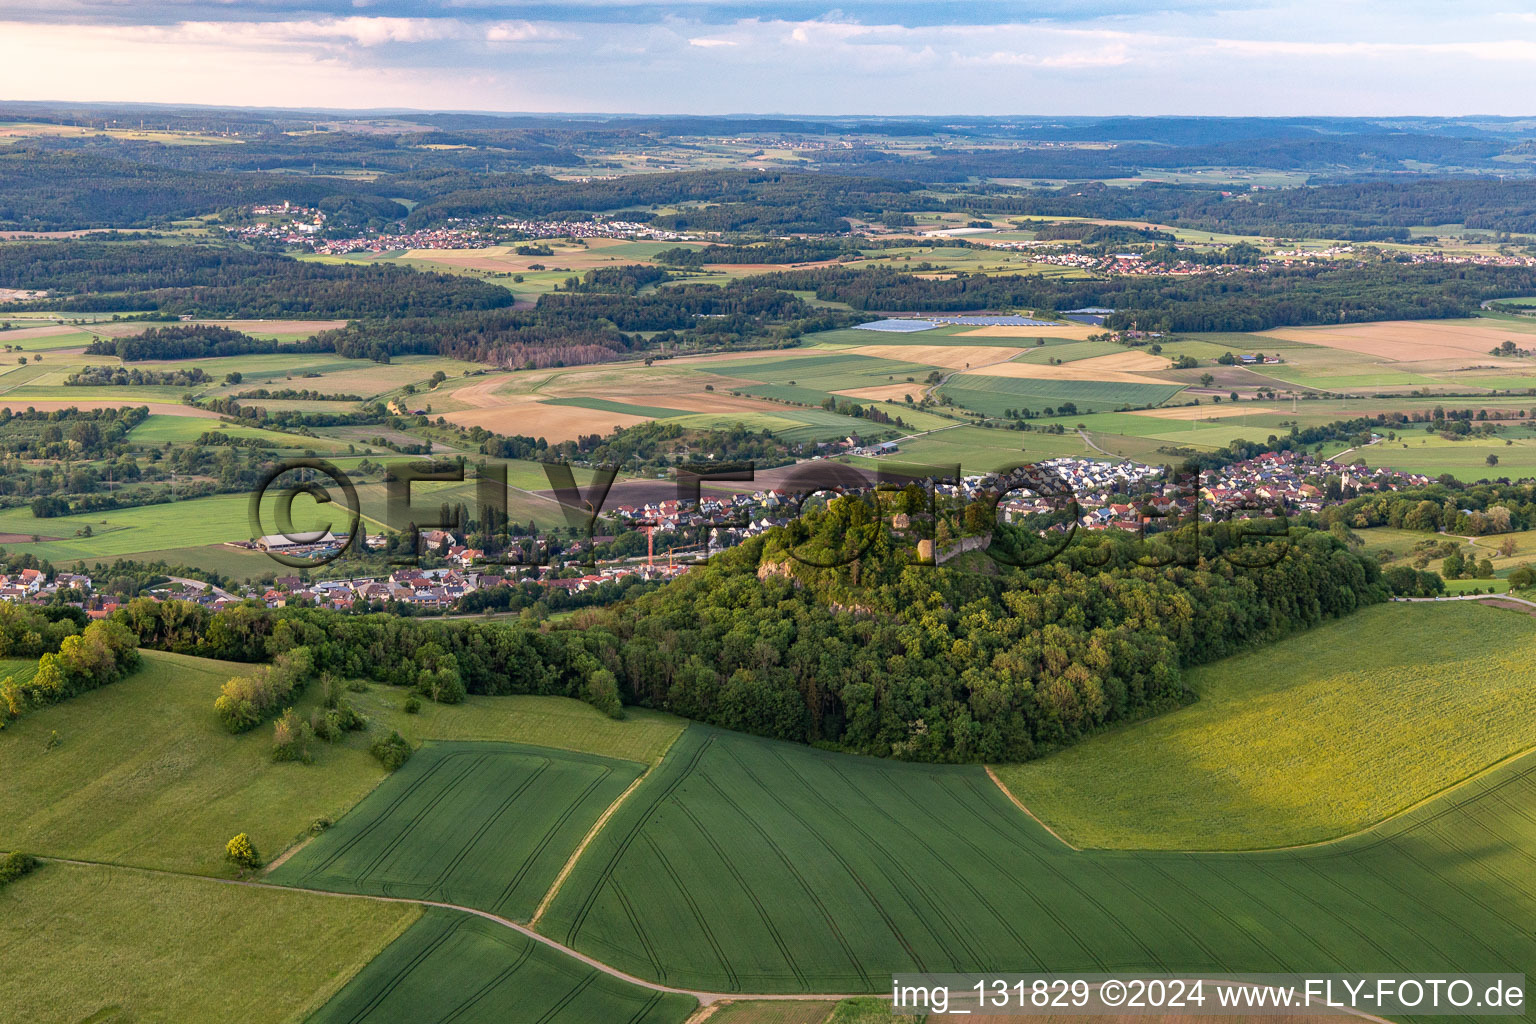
column 304, row 226
column 1108, row 495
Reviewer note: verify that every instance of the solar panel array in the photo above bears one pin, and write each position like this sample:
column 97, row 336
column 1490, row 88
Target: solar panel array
column 898, row 326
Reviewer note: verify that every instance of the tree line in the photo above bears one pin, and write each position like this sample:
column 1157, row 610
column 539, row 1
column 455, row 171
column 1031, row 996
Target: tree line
column 222, row 281
column 1276, row 297
column 879, row 656
column 195, row 341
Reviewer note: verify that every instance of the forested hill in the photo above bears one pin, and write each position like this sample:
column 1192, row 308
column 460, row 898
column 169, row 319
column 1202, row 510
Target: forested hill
column 1274, row 297
column 223, row 281
column 880, row 656
column 990, row 663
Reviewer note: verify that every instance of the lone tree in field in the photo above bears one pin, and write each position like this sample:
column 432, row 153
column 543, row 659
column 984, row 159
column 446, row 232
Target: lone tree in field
column 242, row 852
column 1492, row 460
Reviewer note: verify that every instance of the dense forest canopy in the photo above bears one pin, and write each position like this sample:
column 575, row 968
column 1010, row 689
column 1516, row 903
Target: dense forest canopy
column 1276, row 297
column 569, row 328
column 880, row 656
column 224, row 281
column 193, row 341
column 484, row 165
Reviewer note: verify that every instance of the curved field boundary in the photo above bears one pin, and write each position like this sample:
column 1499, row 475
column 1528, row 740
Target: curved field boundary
column 931, row 868
column 1419, row 804
column 1032, row 815
column 705, row 998
column 488, row 823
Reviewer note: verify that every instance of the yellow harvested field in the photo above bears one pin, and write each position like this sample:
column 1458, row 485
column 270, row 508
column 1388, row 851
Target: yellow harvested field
column 483, row 394
column 23, row 333
column 1403, row 339
column 1075, row 331
column 1121, row 367
column 505, row 258
column 527, row 416
column 727, row 357
column 954, row 357
column 1132, row 361
column 886, row 392
column 245, row 326
column 1199, row 412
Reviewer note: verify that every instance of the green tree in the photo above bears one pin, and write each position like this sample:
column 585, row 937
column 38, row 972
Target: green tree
column 242, row 852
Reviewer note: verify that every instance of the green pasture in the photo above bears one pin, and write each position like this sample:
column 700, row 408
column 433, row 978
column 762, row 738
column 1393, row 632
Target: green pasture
column 1432, row 455
column 50, row 387
column 163, row 530
column 1314, row 737
column 461, row 968
column 1066, row 351
column 76, row 338
column 1397, row 547
column 940, row 335
column 745, row 864
column 19, row 669
column 1493, row 586
column 983, row 450
column 607, row 405
column 233, row 563
column 127, row 531
column 166, row 429
column 641, row 736
column 107, row 945
column 825, row 371
column 993, row 395
column 145, row 775
column 792, row 425
column 796, row 393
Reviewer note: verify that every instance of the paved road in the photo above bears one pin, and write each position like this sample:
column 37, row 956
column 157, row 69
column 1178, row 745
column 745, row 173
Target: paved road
column 1346, row 451
column 1472, row 597
column 1118, row 458
column 199, row 585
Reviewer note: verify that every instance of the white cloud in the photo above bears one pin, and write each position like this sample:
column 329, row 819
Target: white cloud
column 1317, row 56
column 524, row 32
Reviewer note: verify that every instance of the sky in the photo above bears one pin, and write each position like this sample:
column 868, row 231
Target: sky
column 978, row 57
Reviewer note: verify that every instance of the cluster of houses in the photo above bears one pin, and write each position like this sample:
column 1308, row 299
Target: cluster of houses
column 32, row 585
column 1110, row 495
column 588, row 229
column 1480, row 259
column 301, row 225
column 427, row 238
column 1126, row 495
column 1124, row 263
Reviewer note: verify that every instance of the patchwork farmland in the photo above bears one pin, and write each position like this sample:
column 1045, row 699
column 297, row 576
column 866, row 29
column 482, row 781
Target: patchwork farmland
column 856, row 863
column 455, row 967
column 476, row 824
column 627, row 759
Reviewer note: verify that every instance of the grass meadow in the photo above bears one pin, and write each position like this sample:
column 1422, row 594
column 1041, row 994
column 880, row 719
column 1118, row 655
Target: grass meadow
column 144, row 774
column 1316, row 736
column 86, row 943
column 180, row 430
column 993, row 395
